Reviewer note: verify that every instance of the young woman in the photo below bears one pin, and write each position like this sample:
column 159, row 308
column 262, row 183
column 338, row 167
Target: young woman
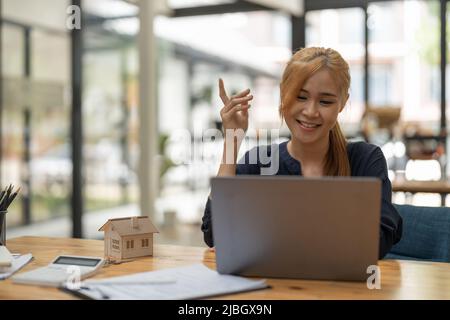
column 314, row 90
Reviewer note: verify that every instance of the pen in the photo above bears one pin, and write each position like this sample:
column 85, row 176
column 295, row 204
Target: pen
column 7, row 196
column 2, row 195
column 5, row 200
column 102, row 293
column 12, row 198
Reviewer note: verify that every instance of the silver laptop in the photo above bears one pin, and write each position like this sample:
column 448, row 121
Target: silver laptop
column 295, row 227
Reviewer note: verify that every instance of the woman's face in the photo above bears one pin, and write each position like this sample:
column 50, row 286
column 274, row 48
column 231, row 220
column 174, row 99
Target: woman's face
column 315, row 110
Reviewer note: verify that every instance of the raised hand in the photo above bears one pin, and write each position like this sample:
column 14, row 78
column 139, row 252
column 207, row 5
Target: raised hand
column 234, row 113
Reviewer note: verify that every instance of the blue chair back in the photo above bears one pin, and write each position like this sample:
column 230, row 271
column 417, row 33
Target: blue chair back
column 426, row 234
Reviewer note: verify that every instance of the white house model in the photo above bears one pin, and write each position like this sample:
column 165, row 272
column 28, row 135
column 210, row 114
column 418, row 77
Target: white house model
column 127, row 238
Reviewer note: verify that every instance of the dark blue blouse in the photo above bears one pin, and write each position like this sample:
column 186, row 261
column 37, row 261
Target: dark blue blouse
column 366, row 160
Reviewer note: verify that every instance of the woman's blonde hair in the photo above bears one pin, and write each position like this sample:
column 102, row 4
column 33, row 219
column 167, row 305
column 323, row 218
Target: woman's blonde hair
column 303, row 64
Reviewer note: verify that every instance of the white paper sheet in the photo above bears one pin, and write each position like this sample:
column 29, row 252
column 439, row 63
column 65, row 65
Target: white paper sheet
column 191, row 282
column 17, row 263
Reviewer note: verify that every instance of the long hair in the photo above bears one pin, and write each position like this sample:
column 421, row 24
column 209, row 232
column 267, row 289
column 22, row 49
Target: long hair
column 303, row 64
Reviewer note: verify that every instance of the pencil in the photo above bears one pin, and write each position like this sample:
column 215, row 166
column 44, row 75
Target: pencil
column 7, row 196
column 8, row 193
column 11, row 200
column 2, row 199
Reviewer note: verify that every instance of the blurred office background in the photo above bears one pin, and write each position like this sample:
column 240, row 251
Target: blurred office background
column 90, row 127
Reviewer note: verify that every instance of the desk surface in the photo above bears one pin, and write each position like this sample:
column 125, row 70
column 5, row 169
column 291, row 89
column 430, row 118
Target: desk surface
column 421, row 186
column 399, row 279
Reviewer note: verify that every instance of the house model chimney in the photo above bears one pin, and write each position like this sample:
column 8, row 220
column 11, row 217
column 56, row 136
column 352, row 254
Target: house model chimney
column 134, row 223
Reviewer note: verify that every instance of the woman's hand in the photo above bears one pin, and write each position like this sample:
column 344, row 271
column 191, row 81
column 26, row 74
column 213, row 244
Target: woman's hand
column 234, row 113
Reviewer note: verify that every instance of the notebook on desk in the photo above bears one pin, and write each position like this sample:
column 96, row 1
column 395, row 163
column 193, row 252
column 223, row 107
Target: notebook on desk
column 18, row 262
column 190, row 282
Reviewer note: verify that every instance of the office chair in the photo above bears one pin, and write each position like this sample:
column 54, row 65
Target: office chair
column 426, row 234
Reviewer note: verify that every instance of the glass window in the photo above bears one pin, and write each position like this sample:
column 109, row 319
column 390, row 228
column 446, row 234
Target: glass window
column 36, row 107
column 51, row 163
column 13, row 51
column 105, row 116
column 447, row 83
column 381, row 84
column 404, row 59
column 11, row 132
column 49, row 14
column 247, row 50
column 50, row 56
column 110, row 110
column 177, row 4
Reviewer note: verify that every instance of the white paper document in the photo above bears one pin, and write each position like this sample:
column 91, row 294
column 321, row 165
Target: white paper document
column 191, row 282
column 17, row 263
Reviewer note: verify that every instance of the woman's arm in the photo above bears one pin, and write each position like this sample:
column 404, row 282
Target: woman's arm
column 234, row 116
column 391, row 221
column 207, row 225
column 243, row 166
column 225, row 169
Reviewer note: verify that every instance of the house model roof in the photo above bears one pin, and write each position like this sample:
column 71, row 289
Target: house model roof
column 130, row 226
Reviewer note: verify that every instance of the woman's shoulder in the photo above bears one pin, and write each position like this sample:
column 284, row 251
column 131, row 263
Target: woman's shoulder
column 365, row 158
column 362, row 148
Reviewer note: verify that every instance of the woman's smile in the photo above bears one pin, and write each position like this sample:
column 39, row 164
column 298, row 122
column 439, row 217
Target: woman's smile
column 308, row 126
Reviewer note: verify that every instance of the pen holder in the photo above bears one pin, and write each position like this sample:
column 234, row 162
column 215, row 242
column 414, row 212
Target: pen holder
column 3, row 228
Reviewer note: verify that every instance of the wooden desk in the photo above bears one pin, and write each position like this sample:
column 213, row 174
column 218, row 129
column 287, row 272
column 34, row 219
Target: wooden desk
column 399, row 279
column 421, row 186
column 441, row 187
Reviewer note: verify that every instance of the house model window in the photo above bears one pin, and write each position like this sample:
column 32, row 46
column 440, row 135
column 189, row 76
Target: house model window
column 130, row 244
column 115, row 244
